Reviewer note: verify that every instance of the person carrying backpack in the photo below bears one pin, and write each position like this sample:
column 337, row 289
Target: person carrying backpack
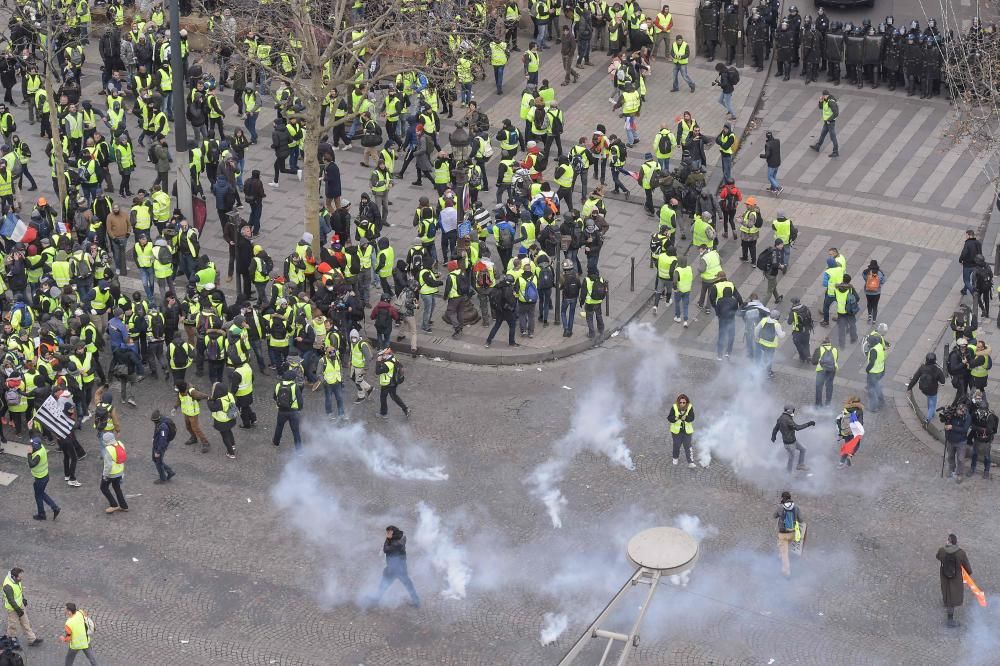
column 826, row 359
column 288, row 398
column 114, row 456
column 503, row 302
column 928, row 377
column 801, row 321
column 848, row 306
column 456, row 289
column 390, row 376
column 874, row 280
column 384, row 314
column 789, row 519
column 164, row 432
column 527, row 299
column 953, row 559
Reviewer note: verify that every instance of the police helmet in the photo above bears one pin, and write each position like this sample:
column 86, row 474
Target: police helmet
column 910, row 37
column 932, row 23
column 871, row 30
column 881, row 28
column 914, row 25
column 849, row 27
column 889, row 20
column 867, row 23
column 900, row 32
column 820, row 11
column 793, row 10
column 836, row 25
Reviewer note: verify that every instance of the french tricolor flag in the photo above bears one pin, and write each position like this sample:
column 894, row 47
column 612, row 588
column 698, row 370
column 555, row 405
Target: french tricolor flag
column 17, row 230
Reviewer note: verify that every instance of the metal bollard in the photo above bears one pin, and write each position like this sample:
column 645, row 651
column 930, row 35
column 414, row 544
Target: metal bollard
column 631, row 276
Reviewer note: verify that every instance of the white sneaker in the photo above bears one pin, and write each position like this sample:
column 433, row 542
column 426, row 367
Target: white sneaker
column 75, row 484
column 677, row 319
column 299, row 174
column 675, row 461
column 655, row 307
column 691, row 465
column 685, row 323
column 65, row 478
column 273, row 184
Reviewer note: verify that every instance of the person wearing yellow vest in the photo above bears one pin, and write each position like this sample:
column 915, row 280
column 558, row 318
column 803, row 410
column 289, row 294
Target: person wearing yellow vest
column 666, row 262
column 361, row 356
column 498, row 59
column 832, row 276
column 709, row 266
column 531, row 59
column 112, row 453
column 786, row 230
column 331, row 376
column 38, row 461
column 681, row 419
column 683, row 278
column 77, row 634
column 14, row 602
column 830, row 112
column 680, row 52
column 875, row 368
column 826, row 357
column 188, row 398
column 390, row 376
column 663, row 23
column 768, row 334
column 224, row 413
column 592, row 296
column 288, row 397
column 242, row 388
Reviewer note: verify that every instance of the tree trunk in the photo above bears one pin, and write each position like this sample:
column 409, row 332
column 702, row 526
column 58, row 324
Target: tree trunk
column 57, row 151
column 310, row 160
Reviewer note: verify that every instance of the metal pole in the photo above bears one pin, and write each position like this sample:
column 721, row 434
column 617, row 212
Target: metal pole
column 631, row 275
column 182, row 174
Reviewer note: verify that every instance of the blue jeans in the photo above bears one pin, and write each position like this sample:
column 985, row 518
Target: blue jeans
column 148, row 282
column 41, row 497
column 680, row 298
column 240, row 164
column 256, row 209
column 766, row 357
column 788, row 254
column 931, row 406
column 873, row 384
column 727, row 334
column 250, row 122
column 631, row 131
column 293, row 159
column 544, row 304
column 727, row 166
column 772, row 177
column 682, row 70
column 162, row 468
column 726, row 100
column 331, row 392
column 540, row 34
column 498, row 77
column 568, row 313
column 292, row 419
column 664, row 164
column 427, row 305
column 466, row 93
column 967, row 279
column 830, row 128
column 168, row 104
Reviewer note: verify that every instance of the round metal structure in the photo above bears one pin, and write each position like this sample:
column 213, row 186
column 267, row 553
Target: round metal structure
column 668, row 550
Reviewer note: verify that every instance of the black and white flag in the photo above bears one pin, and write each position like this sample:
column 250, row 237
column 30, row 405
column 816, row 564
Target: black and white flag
column 51, row 415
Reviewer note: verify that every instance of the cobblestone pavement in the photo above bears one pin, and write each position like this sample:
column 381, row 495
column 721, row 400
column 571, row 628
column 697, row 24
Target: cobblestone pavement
column 210, row 570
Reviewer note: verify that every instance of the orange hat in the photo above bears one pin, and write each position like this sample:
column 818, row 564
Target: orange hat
column 751, row 201
column 42, row 201
column 452, row 265
column 324, row 267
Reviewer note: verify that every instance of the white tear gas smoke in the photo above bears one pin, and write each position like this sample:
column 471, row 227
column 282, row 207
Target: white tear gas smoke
column 380, row 456
column 447, row 557
column 699, row 532
column 555, row 625
column 596, row 426
column 655, row 363
column 981, row 641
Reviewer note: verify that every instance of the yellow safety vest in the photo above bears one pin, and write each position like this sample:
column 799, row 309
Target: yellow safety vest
column 679, row 421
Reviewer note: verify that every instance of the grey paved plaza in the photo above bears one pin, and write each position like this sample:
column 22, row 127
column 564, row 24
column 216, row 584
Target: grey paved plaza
column 271, row 559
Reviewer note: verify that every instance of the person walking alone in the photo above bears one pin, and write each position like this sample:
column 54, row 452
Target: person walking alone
column 830, row 112
column 15, row 604
column 772, row 157
column 77, row 635
column 164, row 431
column 826, row 359
column 390, row 376
column 789, row 517
column 394, row 548
column 927, row 378
column 112, row 473
column 787, row 426
column 288, row 398
column 953, row 559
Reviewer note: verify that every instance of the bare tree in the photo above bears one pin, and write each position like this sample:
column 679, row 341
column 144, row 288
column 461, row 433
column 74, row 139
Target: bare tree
column 315, row 46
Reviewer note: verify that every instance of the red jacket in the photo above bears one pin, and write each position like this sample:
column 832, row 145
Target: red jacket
column 382, row 305
column 726, row 192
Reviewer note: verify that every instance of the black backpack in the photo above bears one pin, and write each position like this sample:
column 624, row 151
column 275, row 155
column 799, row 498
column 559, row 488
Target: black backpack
column 463, row 284
column 805, row 317
column 171, row 429
column 734, row 75
column 180, row 356
column 284, row 396
column 383, row 319
column 546, row 277
column 949, row 566
column 600, row 289
column 213, row 350
column 277, row 328
column 101, row 415
column 764, row 259
column 399, row 376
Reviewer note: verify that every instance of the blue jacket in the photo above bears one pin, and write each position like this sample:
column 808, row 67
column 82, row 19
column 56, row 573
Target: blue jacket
column 117, row 332
column 830, row 263
column 220, row 188
column 161, row 436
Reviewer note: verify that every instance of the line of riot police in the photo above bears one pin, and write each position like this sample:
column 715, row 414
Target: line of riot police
column 876, row 55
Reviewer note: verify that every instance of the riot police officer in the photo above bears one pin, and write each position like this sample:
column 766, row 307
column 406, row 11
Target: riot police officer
column 710, row 17
column 933, row 65
column 854, row 44
column 811, row 50
column 794, row 21
column 757, row 32
column 731, row 31
column 913, row 61
column 892, row 64
column 784, row 42
column 822, row 27
column 834, row 52
column 871, row 57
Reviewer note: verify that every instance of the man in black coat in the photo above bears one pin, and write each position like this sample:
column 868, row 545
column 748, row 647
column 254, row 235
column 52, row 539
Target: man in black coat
column 244, row 262
column 953, row 559
column 927, row 378
column 394, row 548
column 772, row 155
column 970, row 249
column 787, row 426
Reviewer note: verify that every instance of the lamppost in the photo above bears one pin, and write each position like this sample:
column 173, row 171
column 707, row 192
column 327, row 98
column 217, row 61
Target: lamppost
column 182, row 173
